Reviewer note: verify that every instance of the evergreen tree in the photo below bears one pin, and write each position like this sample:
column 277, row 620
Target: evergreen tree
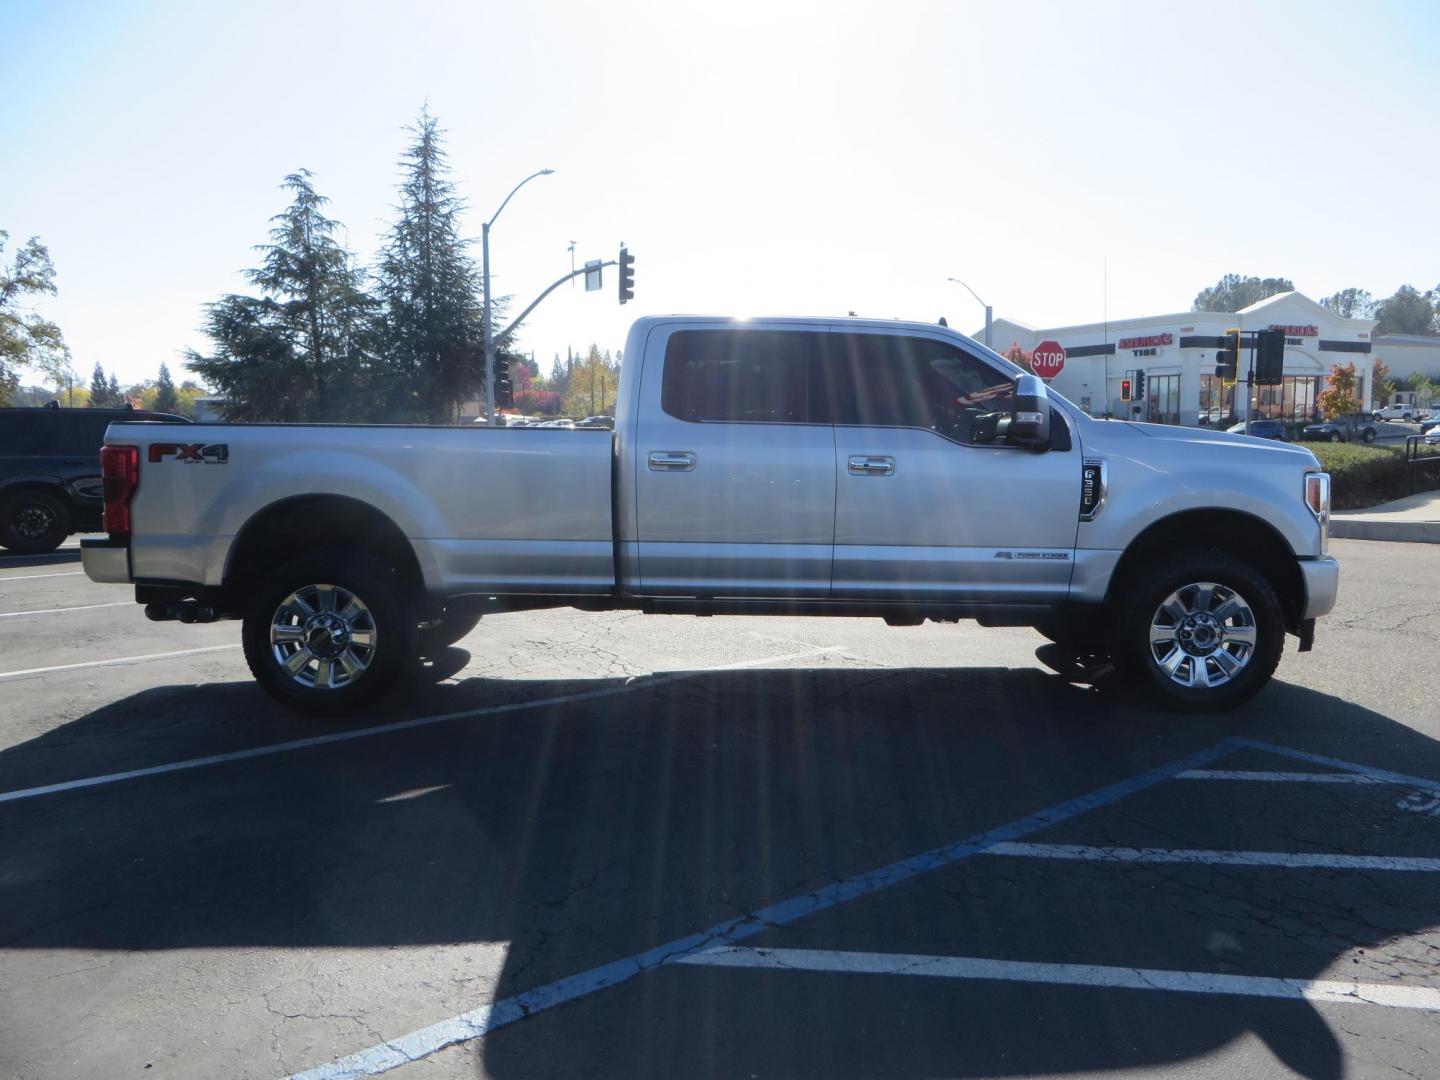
column 27, row 340
column 165, row 396
column 99, row 388
column 303, row 350
column 116, row 397
column 431, row 290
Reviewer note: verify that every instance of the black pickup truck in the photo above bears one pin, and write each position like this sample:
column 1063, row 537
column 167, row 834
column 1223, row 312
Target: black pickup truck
column 50, row 472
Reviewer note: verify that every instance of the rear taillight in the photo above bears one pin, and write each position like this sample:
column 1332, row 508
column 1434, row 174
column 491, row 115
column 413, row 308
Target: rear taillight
column 120, row 470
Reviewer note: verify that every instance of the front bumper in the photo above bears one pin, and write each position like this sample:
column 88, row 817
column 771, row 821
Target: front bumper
column 106, row 561
column 1322, row 583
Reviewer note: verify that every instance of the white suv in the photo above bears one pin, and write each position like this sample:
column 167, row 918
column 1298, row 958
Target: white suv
column 1396, row 412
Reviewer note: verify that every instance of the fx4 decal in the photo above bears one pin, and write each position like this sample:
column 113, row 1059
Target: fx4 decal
column 191, row 453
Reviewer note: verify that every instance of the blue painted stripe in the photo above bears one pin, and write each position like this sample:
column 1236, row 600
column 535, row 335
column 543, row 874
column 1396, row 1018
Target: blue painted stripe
column 474, row 1024
column 1335, row 763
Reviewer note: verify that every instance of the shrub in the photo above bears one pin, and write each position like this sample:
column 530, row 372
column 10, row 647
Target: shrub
column 1364, row 476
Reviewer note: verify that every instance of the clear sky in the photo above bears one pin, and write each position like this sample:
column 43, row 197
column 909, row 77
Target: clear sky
column 757, row 158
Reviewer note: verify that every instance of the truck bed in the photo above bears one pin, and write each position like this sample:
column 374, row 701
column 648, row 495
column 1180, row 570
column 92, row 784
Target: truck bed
column 512, row 510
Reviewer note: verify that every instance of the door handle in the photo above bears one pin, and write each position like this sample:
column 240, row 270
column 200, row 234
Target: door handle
column 863, row 465
column 671, row 461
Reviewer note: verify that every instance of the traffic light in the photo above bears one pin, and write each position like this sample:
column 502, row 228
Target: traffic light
column 1269, row 357
column 1139, row 385
column 1227, row 359
column 504, row 388
column 1125, row 390
column 627, row 276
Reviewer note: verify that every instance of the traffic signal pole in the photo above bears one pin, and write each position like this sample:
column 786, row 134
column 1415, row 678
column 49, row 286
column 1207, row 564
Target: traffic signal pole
column 536, row 302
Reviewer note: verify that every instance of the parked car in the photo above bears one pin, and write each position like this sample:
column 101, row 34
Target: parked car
column 50, row 472
column 1427, row 426
column 1396, row 412
column 1342, row 429
column 1432, row 437
column 566, row 424
column 596, row 422
column 822, row 467
column 1262, row 429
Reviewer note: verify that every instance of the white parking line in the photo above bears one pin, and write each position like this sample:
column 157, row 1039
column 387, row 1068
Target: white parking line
column 32, row 577
column 1334, row 992
column 1302, row 861
column 113, row 660
column 57, row 610
column 384, row 729
column 477, row 1022
column 1279, row 777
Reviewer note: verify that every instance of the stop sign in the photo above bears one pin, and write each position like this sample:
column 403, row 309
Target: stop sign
column 1048, row 359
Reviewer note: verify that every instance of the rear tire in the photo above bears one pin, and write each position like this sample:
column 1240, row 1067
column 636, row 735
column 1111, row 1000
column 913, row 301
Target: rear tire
column 329, row 635
column 1201, row 632
column 33, row 522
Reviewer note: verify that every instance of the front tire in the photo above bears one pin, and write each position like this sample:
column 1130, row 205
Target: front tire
column 329, row 635
column 33, row 522
column 1335, row 437
column 1202, row 631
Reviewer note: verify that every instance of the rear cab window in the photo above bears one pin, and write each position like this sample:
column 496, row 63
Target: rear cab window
column 739, row 376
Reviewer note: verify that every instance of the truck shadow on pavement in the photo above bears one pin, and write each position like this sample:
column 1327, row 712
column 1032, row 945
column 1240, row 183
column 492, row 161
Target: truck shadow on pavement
column 580, row 832
column 11, row 561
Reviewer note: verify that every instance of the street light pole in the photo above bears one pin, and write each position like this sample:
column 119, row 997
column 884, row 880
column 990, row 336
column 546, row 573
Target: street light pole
column 485, row 282
column 989, row 311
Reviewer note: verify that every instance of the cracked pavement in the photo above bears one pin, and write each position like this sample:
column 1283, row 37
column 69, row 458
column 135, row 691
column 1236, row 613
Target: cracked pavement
column 265, row 916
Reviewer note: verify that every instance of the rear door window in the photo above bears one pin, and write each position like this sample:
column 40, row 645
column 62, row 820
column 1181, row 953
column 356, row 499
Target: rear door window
column 738, row 376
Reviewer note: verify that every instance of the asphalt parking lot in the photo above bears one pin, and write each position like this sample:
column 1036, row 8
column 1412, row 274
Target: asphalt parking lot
column 618, row 845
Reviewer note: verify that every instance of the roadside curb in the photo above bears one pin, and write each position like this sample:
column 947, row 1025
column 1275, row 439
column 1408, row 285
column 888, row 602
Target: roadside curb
column 1413, row 532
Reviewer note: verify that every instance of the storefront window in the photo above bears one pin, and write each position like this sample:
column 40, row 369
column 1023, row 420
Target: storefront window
column 1293, row 399
column 1217, row 401
column 1162, row 399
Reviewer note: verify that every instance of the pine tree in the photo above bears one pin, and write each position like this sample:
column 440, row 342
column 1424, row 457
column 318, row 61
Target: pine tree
column 431, row 289
column 166, row 399
column 100, row 389
column 302, row 350
column 26, row 339
column 117, row 399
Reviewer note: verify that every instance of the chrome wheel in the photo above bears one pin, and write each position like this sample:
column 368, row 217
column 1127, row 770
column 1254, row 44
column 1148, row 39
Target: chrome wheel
column 323, row 637
column 34, row 520
column 1202, row 635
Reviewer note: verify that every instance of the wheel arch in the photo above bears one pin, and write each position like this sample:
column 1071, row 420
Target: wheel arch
column 1236, row 533
column 52, row 485
column 316, row 522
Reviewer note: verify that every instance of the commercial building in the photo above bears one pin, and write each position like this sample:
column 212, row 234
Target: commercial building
column 1409, row 354
column 1177, row 354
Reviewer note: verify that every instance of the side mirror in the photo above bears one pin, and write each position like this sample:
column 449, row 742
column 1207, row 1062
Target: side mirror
column 1030, row 418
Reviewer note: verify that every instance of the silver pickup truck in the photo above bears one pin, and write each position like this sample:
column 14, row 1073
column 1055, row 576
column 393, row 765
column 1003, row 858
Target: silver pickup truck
column 777, row 466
